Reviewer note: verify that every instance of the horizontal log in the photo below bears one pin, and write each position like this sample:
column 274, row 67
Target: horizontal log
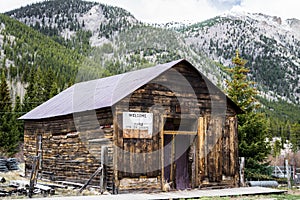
column 68, row 183
column 180, row 132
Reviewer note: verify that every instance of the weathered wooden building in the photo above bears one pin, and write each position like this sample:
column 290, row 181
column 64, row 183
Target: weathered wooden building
column 166, row 123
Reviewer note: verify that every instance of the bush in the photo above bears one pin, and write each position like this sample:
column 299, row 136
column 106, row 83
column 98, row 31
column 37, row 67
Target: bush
column 257, row 171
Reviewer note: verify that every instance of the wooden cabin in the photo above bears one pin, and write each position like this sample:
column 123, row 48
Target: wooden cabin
column 158, row 125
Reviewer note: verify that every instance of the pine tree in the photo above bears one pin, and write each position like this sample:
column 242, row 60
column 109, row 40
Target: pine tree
column 54, row 90
column 29, row 95
column 5, row 100
column 240, row 89
column 9, row 136
column 48, row 81
column 252, row 126
column 35, row 91
column 295, row 137
column 17, row 111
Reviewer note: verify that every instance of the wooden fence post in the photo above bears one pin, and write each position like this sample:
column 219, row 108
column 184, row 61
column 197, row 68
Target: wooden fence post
column 242, row 171
column 288, row 174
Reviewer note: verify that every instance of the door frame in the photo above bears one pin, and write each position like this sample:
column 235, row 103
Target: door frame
column 195, row 181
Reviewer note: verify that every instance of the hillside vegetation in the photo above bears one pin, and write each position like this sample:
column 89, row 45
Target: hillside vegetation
column 24, row 50
column 48, row 46
column 270, row 45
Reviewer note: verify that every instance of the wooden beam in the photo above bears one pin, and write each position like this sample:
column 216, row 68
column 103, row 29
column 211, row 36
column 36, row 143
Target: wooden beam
column 115, row 150
column 197, row 156
column 201, row 149
column 90, row 179
column 172, row 173
column 180, row 132
column 162, row 152
column 232, row 142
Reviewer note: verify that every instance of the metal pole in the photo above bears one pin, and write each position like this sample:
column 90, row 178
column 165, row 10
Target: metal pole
column 288, row 175
column 242, row 169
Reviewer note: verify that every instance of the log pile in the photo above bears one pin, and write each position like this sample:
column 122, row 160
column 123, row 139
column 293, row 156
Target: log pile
column 3, row 165
column 21, row 188
column 12, row 164
column 8, row 164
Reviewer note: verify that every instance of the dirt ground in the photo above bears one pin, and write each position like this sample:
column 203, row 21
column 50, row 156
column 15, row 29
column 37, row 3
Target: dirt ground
column 294, row 192
column 71, row 191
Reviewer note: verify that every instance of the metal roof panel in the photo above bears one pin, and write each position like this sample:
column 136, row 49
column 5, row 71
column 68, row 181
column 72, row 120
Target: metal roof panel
column 97, row 93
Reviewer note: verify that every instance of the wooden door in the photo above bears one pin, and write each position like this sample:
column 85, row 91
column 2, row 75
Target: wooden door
column 177, row 163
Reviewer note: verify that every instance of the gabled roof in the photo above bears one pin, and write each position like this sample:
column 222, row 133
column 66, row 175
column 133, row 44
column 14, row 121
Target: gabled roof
column 97, row 93
column 100, row 93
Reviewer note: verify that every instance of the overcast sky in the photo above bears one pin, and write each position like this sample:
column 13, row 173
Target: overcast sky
column 162, row 11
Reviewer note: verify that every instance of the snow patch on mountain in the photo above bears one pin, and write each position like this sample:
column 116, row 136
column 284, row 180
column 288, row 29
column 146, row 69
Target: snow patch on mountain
column 92, row 19
column 97, row 41
column 270, row 41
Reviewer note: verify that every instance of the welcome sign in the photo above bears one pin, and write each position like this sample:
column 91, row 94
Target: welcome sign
column 137, row 125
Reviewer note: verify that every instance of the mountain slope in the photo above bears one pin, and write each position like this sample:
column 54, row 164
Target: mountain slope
column 270, row 45
column 113, row 41
column 24, row 50
column 66, row 18
column 112, row 36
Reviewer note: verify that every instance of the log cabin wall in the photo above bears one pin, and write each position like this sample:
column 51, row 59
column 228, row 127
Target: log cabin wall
column 71, row 145
column 218, row 151
column 168, row 97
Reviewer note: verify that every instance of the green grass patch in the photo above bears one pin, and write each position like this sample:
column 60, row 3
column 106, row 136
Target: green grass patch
column 254, row 197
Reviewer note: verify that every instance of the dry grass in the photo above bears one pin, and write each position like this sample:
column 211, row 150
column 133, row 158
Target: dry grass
column 15, row 175
column 19, row 175
column 70, row 191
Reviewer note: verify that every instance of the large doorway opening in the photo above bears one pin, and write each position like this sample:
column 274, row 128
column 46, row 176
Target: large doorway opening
column 179, row 140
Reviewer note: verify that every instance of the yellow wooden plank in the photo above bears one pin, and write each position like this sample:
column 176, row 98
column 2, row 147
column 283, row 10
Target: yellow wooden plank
column 172, row 159
column 232, row 144
column 162, row 152
column 201, row 148
column 180, row 132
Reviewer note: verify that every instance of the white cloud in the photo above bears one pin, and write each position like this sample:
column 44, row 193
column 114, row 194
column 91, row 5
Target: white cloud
column 224, row 5
column 199, row 10
column 282, row 8
column 167, row 10
column 7, row 5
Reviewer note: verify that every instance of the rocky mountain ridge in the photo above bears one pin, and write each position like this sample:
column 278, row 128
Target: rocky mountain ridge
column 115, row 40
column 270, row 45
